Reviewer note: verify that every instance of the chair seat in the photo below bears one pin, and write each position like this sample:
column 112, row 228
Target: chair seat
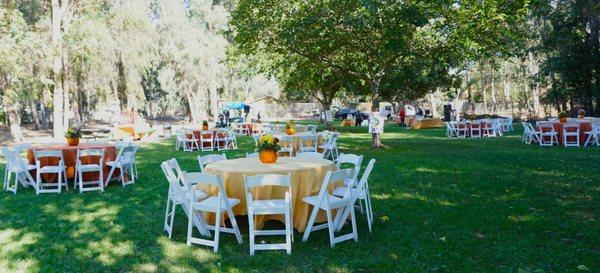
column 340, row 191
column 89, row 167
column 268, row 206
column 118, row 163
column 51, row 169
column 334, row 202
column 198, row 193
column 211, row 204
column 348, row 182
column 27, row 165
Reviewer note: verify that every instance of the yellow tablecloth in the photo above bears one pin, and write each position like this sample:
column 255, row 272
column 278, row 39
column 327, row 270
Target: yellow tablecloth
column 307, row 178
column 426, row 123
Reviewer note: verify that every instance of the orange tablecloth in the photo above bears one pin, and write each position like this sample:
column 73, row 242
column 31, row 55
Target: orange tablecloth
column 307, row 178
column 70, row 157
column 584, row 126
column 206, row 133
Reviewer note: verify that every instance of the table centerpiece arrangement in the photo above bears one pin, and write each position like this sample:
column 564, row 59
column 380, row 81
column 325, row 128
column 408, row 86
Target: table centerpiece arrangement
column 72, row 135
column 267, row 146
column 290, row 127
column 562, row 116
column 204, row 125
column 581, row 113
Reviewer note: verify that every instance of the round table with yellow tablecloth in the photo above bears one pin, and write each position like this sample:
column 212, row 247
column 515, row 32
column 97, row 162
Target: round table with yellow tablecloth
column 306, row 175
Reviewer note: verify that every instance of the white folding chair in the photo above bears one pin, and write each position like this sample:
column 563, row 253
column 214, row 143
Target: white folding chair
column 497, row 123
column 232, row 140
column 359, row 191
column 546, row 130
column 507, row 124
column 125, row 162
column 15, row 165
column 488, row 129
column 252, row 155
column 215, row 204
column 450, row 129
column 594, row 135
column 330, row 148
column 203, row 160
column 310, row 155
column 475, row 129
column 287, row 145
column 222, row 139
column 529, row 133
column 179, row 194
column 267, row 128
column 571, row 134
column 462, row 129
column 328, row 202
column 207, row 141
column 352, row 159
column 311, row 128
column 81, row 168
column 188, row 144
column 307, row 143
column 58, row 169
column 269, row 207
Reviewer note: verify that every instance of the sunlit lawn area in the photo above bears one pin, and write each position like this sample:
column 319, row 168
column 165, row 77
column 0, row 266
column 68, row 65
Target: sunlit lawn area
column 441, row 205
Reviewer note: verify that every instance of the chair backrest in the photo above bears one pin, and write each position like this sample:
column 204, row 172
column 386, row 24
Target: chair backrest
column 21, row 147
column 193, row 178
column 310, row 155
column 256, row 137
column 181, row 134
column 268, row 180
column 365, row 176
column 311, row 138
column 571, row 127
column 251, row 155
column 91, row 152
column 174, row 176
column 203, row 160
column 206, row 135
column 9, row 156
column 545, row 126
column 353, row 159
column 525, row 127
column 47, row 153
column 127, row 154
column 332, row 177
column 285, row 140
column 311, row 128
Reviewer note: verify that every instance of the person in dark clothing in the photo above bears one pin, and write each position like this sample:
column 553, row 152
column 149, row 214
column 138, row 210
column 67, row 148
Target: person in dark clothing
column 358, row 119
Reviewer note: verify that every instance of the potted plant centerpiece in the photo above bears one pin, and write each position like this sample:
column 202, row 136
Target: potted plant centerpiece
column 562, row 116
column 205, row 125
column 290, row 127
column 581, row 113
column 72, row 135
column 267, row 146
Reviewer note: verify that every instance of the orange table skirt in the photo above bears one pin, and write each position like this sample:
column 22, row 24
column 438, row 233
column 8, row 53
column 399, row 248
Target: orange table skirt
column 70, row 158
column 583, row 128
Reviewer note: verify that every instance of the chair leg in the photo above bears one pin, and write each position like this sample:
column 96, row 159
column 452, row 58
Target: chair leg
column 173, row 209
column 189, row 230
column 353, row 221
column 288, row 233
column 311, row 222
column 217, row 231
column 238, row 235
column 330, row 227
column 110, row 173
column 251, row 231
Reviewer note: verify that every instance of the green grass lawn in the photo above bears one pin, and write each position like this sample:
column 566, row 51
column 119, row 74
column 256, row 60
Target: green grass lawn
column 441, row 205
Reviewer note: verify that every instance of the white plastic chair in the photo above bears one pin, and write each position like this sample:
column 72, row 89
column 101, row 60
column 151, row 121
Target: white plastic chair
column 81, row 168
column 207, row 141
column 125, row 162
column 546, row 130
column 203, row 160
column 188, row 144
column 15, row 165
column 269, row 207
column 59, row 170
column 360, row 192
column 328, row 203
column 307, row 143
column 310, row 155
column 287, row 145
column 179, row 195
column 570, row 132
column 215, row 204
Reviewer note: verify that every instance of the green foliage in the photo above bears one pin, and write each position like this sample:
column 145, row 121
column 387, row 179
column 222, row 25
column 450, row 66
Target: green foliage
column 268, row 143
column 73, row 132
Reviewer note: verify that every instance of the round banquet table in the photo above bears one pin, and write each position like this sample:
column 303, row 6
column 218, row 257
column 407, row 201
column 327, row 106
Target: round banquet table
column 584, row 126
column 306, row 175
column 70, row 157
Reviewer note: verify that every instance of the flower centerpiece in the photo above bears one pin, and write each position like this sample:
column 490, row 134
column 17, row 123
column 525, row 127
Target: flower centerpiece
column 581, row 113
column 290, row 127
column 267, row 146
column 205, row 125
column 73, row 135
column 562, row 116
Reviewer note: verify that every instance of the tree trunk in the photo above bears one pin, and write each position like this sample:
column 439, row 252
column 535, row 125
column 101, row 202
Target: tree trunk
column 374, row 86
column 469, row 94
column 214, row 99
column 194, row 111
column 506, row 85
column 483, row 90
column 57, row 71
column 326, row 105
column 493, row 91
column 14, row 119
column 34, row 112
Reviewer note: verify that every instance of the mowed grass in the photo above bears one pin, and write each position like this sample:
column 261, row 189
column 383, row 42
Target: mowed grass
column 441, row 205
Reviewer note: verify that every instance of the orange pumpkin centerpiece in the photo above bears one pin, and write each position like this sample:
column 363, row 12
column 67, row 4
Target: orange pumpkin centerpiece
column 205, row 125
column 290, row 127
column 267, row 146
column 562, row 117
column 72, row 135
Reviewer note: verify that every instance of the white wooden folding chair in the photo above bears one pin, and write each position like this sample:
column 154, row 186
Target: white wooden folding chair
column 475, row 129
column 593, row 135
column 497, row 123
column 311, row 128
column 81, row 168
column 188, row 144
column 179, row 194
column 310, row 155
column 267, row 128
column 352, row 159
column 450, row 129
column 207, row 141
column 203, row 160
column 222, row 139
column 125, row 162
column 359, row 192
column 461, row 128
column 58, row 169
column 571, row 134
column 269, row 207
column 287, row 145
column 232, row 140
column 507, row 124
column 15, row 165
column 328, row 202
column 215, row 204
column 330, row 148
column 307, row 143
column 530, row 134
column 547, row 130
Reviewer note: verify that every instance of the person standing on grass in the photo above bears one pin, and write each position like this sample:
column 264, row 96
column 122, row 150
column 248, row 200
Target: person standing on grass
column 401, row 117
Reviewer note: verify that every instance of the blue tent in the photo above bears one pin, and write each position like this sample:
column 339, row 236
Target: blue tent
column 236, row 105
